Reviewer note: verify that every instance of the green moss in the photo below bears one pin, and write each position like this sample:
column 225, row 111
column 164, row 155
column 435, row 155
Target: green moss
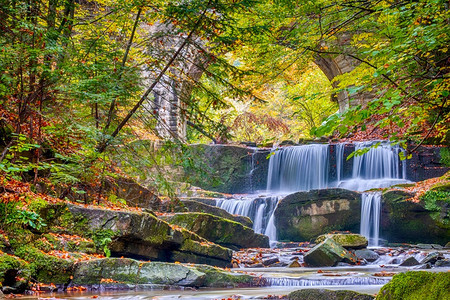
column 417, row 285
column 445, row 156
column 437, row 202
column 9, row 262
column 46, row 268
column 216, row 277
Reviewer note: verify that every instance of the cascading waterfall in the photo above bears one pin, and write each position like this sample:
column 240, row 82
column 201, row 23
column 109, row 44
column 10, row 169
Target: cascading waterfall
column 307, row 167
column 339, row 160
column 370, row 217
column 298, row 168
column 260, row 210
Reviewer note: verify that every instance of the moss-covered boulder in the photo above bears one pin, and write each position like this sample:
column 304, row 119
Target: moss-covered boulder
column 327, row 254
column 133, row 193
column 348, row 241
column 417, row 285
column 305, row 215
column 46, row 268
column 314, row 294
column 221, row 231
column 12, row 266
column 187, row 205
column 137, row 235
column 403, row 220
column 129, row 271
column 204, row 205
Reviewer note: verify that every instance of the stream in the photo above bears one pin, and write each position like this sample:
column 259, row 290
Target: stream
column 303, row 168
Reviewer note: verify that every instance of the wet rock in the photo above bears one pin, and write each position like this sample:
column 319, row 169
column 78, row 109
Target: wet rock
column 142, row 235
column 429, row 246
column 270, row 261
column 129, row 271
column 305, row 215
column 210, row 208
column 394, row 261
column 257, row 265
column 294, row 264
column 314, row 294
column 408, row 221
column 279, row 264
column 447, row 246
column 348, row 241
column 432, row 258
column 425, row 266
column 409, row 262
column 221, row 231
column 442, row 263
column 327, row 254
column 417, row 285
column 367, row 254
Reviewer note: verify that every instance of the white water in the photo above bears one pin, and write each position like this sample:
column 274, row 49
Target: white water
column 326, row 282
column 303, row 168
column 307, row 167
column 370, row 217
column 298, row 168
column 259, row 209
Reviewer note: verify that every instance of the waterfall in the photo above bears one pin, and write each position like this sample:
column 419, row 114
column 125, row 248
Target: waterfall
column 299, row 168
column 339, row 161
column 260, row 210
column 303, row 168
column 370, row 217
column 382, row 161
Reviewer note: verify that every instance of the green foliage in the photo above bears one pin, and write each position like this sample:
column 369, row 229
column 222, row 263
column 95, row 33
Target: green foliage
column 13, row 217
column 417, row 285
column 101, row 239
column 437, row 201
column 445, row 156
column 15, row 163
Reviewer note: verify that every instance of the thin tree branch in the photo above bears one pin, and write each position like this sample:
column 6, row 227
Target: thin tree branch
column 102, row 146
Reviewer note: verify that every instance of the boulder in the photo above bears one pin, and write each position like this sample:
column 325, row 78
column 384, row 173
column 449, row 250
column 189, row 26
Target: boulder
column 137, row 235
column 221, row 231
column 412, row 222
column 367, row 254
column 432, row 258
column 348, row 241
column 198, row 206
column 442, row 263
column 133, row 193
column 130, row 271
column 417, row 285
column 327, row 254
column 409, row 262
column 305, row 215
column 314, row 294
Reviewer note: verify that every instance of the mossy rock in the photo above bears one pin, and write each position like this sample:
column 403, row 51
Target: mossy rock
column 314, row 294
column 220, row 230
column 348, row 241
column 218, row 278
column 129, row 271
column 12, row 266
column 303, row 216
column 327, row 254
column 142, row 235
column 197, row 206
column 417, row 285
column 403, row 220
column 44, row 267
